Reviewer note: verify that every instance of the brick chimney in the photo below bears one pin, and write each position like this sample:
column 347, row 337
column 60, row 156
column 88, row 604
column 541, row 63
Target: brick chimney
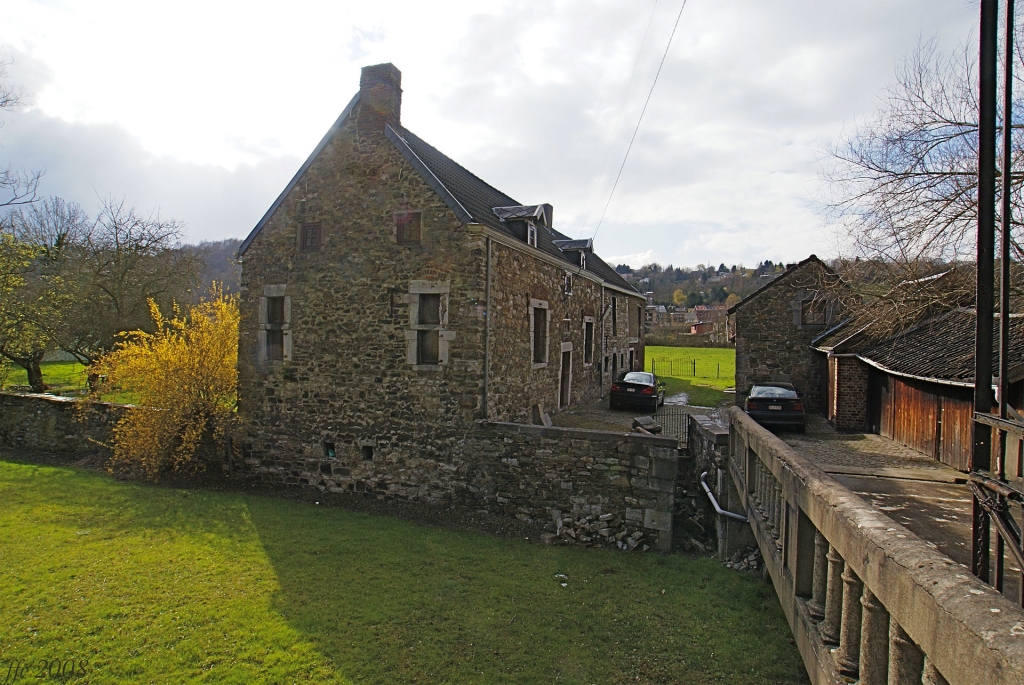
column 380, row 98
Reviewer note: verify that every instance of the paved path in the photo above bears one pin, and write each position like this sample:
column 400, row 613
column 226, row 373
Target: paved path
column 926, row 496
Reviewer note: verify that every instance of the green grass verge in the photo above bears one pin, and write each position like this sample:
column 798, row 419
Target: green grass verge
column 152, row 584
column 715, row 367
column 60, row 376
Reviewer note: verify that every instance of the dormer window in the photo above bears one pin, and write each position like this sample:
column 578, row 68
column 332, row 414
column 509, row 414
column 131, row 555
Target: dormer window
column 531, row 234
column 583, row 260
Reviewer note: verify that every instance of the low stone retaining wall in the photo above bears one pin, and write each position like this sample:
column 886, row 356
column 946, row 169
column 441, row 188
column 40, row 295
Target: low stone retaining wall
column 865, row 597
column 56, row 424
column 593, row 488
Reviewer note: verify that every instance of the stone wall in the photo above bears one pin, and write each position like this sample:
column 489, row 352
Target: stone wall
column 848, row 393
column 56, row 424
column 593, row 488
column 773, row 340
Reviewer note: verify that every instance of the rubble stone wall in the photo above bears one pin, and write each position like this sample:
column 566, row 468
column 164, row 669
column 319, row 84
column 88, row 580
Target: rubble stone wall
column 773, row 342
column 56, row 424
column 592, row 488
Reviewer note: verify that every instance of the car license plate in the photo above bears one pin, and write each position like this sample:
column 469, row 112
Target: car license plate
column 775, row 406
column 630, row 389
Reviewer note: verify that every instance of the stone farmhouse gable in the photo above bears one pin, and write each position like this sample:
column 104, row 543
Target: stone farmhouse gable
column 773, row 329
column 391, row 300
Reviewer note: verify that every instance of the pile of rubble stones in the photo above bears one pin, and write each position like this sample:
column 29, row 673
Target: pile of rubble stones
column 748, row 559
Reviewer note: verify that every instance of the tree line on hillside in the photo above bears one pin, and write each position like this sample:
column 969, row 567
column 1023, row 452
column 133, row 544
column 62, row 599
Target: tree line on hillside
column 703, row 285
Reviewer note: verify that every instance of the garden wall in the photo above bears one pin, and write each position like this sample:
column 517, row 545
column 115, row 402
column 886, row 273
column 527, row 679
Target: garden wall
column 56, row 424
column 592, row 488
column 595, row 488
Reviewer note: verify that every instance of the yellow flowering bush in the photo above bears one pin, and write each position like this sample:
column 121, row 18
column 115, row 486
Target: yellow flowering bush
column 182, row 380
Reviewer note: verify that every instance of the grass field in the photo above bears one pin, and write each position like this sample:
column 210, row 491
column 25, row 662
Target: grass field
column 715, row 371
column 151, row 584
column 60, row 376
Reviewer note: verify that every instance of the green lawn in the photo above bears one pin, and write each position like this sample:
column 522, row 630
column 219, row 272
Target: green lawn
column 715, row 371
column 152, row 584
column 60, row 376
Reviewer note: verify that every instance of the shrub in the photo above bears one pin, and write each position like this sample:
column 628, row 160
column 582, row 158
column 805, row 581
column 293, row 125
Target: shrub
column 182, row 379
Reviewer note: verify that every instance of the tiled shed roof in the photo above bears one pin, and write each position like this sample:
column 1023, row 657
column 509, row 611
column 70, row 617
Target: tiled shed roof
column 942, row 348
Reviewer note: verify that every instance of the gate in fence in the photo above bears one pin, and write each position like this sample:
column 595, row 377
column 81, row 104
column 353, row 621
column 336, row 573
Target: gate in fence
column 673, row 421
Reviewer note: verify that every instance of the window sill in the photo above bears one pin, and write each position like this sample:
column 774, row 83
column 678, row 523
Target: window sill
column 427, row 367
column 539, row 365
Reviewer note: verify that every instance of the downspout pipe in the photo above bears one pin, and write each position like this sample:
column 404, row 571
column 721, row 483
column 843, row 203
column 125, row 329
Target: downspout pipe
column 487, row 332
column 714, row 502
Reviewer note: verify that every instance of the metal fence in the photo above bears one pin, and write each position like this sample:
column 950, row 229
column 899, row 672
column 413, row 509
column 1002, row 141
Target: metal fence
column 673, row 421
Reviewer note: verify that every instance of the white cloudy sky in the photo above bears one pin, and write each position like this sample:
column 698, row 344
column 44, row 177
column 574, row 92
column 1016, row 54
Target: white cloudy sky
column 204, row 109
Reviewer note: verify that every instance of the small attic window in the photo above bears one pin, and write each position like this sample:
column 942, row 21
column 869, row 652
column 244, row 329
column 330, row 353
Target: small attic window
column 531, row 234
column 583, row 260
column 310, row 237
column 407, row 228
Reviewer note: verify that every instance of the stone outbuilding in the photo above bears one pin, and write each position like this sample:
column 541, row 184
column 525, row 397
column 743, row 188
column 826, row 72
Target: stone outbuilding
column 774, row 327
column 391, row 299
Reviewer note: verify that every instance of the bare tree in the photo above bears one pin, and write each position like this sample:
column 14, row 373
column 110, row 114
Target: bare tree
column 16, row 187
column 902, row 190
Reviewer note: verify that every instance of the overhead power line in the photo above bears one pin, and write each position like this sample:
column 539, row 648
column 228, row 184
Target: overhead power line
column 615, row 129
column 641, row 118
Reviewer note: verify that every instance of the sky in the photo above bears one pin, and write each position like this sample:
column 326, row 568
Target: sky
column 202, row 111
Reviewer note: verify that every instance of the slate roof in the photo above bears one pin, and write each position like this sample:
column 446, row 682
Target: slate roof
column 942, row 349
column 479, row 199
column 842, row 338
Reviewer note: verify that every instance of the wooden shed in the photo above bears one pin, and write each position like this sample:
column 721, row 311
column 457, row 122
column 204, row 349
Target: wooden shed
column 918, row 386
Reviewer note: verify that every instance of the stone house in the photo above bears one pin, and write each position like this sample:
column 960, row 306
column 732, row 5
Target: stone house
column 391, row 300
column 774, row 326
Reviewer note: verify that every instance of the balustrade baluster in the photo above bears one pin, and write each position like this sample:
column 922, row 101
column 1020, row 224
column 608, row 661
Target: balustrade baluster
column 906, row 660
column 830, row 627
column 874, row 640
column 849, row 637
column 776, row 509
column 819, row 578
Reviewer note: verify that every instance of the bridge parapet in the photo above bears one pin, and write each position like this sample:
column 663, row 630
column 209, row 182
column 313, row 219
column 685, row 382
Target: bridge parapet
column 864, row 596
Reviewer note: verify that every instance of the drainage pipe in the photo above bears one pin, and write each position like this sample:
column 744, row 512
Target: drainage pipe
column 714, row 502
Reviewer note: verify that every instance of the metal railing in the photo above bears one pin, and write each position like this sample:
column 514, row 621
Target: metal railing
column 674, row 421
column 996, row 501
column 865, row 597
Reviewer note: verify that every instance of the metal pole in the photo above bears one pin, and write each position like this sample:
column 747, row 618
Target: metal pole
column 986, row 228
column 1004, row 256
column 981, row 453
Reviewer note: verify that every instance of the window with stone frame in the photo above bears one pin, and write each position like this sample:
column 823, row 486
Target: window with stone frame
column 539, row 333
column 427, row 338
column 615, row 316
column 310, row 237
column 588, row 341
column 427, row 341
column 274, row 334
column 813, row 312
column 408, row 228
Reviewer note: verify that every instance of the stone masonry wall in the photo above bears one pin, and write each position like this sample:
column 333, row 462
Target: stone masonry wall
column 592, row 488
column 56, row 424
column 848, row 393
column 515, row 382
column 772, row 342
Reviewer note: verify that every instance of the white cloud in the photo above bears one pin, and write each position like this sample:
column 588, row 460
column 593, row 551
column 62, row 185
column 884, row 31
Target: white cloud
column 207, row 109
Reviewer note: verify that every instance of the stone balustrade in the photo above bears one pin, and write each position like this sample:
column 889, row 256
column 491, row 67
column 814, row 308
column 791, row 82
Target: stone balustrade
column 864, row 597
